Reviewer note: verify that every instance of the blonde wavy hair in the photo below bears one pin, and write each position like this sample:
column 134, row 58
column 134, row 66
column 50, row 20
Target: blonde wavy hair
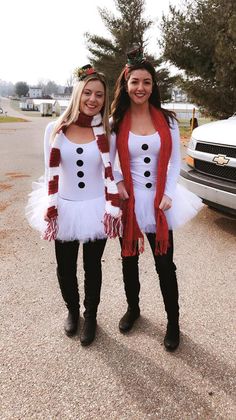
column 70, row 115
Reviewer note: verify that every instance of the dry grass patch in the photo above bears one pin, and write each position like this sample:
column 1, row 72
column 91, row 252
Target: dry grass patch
column 4, row 186
column 3, row 206
column 16, row 175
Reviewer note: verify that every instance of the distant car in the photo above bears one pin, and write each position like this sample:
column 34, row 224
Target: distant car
column 1, row 110
column 210, row 168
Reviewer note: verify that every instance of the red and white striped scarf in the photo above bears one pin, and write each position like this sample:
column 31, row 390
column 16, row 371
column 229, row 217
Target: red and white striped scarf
column 112, row 217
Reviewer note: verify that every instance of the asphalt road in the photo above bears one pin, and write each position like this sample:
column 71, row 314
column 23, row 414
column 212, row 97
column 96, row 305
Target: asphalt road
column 46, row 375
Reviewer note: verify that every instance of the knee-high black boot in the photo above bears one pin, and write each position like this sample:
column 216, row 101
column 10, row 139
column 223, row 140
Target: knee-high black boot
column 170, row 294
column 92, row 254
column 169, row 290
column 69, row 290
column 70, row 294
column 132, row 288
column 166, row 270
column 66, row 254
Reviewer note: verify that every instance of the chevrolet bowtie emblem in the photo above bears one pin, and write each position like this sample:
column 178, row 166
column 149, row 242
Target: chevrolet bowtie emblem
column 221, row 160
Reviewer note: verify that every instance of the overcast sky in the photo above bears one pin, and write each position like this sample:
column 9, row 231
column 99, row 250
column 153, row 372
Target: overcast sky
column 44, row 39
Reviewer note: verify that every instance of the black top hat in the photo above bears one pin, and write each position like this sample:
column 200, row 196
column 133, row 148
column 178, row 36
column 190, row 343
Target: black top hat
column 82, row 72
column 135, row 56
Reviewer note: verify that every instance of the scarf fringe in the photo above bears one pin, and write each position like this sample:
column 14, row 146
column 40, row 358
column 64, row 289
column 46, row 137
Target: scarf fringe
column 133, row 247
column 50, row 233
column 113, row 226
column 141, row 245
column 162, row 233
column 161, row 247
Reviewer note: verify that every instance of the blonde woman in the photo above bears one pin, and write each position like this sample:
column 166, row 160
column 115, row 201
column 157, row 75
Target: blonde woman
column 81, row 204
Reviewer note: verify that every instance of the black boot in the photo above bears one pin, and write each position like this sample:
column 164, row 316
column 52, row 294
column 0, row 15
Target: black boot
column 70, row 294
column 66, row 254
column 129, row 318
column 171, row 340
column 88, row 331
column 92, row 254
column 132, row 287
column 71, row 323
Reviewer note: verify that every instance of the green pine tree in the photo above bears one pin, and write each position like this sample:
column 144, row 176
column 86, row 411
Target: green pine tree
column 201, row 40
column 126, row 30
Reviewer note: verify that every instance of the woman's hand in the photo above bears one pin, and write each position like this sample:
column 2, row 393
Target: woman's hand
column 45, row 217
column 166, row 203
column 122, row 190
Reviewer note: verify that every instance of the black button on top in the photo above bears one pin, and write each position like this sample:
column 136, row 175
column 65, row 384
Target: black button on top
column 147, row 159
column 147, row 173
column 148, row 185
column 80, row 162
column 79, row 150
column 81, row 184
column 80, row 174
column 144, row 146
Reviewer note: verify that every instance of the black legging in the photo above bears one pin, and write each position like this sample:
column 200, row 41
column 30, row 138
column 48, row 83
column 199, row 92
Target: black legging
column 66, row 256
column 165, row 268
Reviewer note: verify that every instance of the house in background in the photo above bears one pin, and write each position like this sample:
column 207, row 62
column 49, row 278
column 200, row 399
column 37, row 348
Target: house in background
column 62, row 104
column 44, row 106
column 183, row 110
column 178, row 95
column 35, row 92
column 26, row 105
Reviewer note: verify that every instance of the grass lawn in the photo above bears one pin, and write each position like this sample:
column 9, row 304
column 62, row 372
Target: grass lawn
column 15, row 105
column 185, row 132
column 11, row 119
column 185, row 129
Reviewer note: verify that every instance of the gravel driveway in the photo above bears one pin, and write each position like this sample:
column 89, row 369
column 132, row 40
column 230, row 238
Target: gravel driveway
column 46, row 375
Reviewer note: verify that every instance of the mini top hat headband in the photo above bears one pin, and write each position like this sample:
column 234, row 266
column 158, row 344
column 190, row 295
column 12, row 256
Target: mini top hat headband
column 82, row 72
column 135, row 56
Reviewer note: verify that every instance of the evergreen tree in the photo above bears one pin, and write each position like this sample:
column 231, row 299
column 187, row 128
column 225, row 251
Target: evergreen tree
column 126, row 30
column 51, row 88
column 21, row 89
column 201, row 40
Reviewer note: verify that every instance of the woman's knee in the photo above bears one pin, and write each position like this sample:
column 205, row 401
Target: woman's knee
column 165, row 267
column 129, row 262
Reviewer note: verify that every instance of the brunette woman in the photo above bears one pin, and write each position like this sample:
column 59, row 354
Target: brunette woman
column 148, row 144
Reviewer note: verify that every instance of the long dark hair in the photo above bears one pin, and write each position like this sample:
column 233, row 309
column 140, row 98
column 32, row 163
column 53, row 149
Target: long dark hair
column 121, row 101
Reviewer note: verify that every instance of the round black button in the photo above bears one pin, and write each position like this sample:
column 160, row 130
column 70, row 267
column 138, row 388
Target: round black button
column 81, row 184
column 147, row 173
column 80, row 174
column 80, row 162
column 79, row 150
column 144, row 146
column 148, row 185
column 147, row 159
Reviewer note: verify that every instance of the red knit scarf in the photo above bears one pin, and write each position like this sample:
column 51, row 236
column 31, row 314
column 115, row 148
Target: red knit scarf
column 112, row 217
column 133, row 239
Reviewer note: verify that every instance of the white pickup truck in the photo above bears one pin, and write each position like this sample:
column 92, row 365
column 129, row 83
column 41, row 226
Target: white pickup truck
column 210, row 168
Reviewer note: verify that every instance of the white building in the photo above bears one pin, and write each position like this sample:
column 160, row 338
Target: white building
column 35, row 92
column 178, row 95
column 58, row 106
column 183, row 110
column 63, row 104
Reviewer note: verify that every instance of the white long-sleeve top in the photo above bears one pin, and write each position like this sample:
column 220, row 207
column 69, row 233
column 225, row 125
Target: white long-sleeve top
column 144, row 157
column 81, row 198
column 81, row 174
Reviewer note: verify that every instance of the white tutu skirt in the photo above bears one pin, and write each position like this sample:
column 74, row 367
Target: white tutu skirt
column 77, row 220
column 185, row 206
